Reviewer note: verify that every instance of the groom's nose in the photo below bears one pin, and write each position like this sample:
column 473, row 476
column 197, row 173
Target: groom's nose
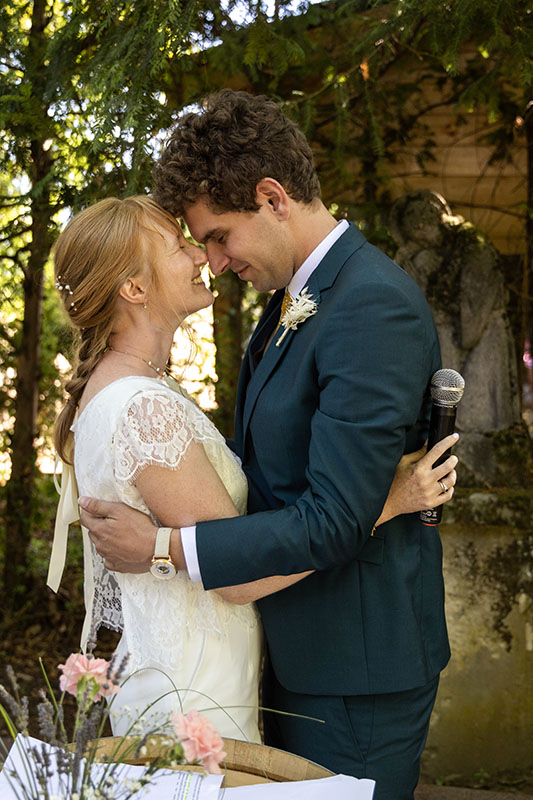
column 218, row 261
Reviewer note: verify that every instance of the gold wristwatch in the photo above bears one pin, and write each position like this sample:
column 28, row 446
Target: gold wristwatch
column 162, row 566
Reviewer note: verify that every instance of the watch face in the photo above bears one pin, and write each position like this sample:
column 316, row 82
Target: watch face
column 163, row 569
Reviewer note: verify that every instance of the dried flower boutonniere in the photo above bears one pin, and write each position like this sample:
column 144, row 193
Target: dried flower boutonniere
column 300, row 307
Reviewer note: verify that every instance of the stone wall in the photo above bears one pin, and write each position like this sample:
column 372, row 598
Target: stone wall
column 482, row 726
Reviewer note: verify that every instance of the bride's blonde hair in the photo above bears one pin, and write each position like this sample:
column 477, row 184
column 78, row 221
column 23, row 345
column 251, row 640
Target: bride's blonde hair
column 99, row 249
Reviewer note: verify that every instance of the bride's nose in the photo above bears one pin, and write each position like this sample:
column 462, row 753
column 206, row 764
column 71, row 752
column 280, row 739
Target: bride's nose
column 199, row 256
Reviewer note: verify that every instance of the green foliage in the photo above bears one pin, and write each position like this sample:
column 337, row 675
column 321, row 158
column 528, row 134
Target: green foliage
column 266, row 46
column 483, row 49
column 111, row 56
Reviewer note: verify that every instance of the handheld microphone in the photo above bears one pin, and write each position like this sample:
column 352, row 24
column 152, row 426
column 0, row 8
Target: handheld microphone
column 447, row 388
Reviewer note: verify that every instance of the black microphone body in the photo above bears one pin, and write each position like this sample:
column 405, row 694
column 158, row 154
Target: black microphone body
column 447, row 388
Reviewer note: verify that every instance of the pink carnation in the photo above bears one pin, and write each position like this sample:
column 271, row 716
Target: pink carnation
column 200, row 741
column 78, row 666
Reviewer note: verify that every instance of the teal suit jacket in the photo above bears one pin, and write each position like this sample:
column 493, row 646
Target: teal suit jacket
column 321, row 422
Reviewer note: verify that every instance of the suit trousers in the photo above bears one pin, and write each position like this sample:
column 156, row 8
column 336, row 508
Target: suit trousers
column 368, row 736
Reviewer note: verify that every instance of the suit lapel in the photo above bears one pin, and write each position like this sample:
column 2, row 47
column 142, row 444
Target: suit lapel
column 262, row 331
column 264, row 328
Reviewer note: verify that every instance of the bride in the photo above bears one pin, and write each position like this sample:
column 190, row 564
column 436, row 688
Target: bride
column 128, row 279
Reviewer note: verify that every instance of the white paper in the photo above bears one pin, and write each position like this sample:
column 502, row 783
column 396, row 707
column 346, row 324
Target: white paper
column 341, row 787
column 169, row 784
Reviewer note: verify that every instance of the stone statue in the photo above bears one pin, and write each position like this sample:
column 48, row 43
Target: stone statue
column 459, row 271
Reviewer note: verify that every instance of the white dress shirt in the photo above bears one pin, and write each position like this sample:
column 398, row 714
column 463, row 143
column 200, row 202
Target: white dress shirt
column 295, row 286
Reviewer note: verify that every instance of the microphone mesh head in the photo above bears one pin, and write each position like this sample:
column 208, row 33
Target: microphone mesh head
column 447, row 387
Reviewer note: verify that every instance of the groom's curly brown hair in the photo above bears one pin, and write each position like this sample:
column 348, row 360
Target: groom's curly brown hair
column 222, row 151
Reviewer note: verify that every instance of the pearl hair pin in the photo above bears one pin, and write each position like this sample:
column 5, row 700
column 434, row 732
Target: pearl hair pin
column 65, row 287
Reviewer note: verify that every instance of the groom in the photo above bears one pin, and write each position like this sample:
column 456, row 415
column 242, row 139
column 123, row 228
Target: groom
column 325, row 409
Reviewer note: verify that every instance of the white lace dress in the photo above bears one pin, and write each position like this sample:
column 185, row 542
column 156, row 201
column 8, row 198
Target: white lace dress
column 186, row 646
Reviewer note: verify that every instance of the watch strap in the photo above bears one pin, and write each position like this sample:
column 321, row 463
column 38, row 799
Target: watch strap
column 162, row 543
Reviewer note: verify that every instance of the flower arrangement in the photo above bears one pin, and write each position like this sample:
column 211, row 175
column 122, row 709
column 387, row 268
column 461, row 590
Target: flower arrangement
column 78, row 770
column 300, row 307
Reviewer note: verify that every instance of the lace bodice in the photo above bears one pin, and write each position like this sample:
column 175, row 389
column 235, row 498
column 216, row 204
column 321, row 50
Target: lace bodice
column 132, row 423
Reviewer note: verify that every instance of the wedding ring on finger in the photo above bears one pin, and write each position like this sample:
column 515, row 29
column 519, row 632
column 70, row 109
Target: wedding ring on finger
column 443, row 487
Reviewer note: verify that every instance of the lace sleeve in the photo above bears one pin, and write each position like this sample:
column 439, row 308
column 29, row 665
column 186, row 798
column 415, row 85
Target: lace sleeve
column 155, row 429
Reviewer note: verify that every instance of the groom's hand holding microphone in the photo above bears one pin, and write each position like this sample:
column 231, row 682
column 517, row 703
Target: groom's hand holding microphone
column 426, row 478
column 447, row 387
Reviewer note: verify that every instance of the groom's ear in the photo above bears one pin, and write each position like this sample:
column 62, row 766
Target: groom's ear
column 269, row 192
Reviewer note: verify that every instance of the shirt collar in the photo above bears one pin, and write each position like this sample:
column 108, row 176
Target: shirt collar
column 302, row 275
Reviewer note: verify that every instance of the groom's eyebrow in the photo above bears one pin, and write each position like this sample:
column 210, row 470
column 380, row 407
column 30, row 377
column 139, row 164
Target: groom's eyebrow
column 211, row 234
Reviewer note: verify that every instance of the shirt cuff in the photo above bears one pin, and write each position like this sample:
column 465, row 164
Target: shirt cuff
column 188, row 542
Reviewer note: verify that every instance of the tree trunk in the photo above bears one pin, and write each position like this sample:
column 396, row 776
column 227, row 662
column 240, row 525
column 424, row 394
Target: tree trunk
column 228, row 332
column 527, row 288
column 20, row 488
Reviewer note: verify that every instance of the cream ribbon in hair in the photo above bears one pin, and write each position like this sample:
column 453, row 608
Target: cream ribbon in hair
column 67, row 513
